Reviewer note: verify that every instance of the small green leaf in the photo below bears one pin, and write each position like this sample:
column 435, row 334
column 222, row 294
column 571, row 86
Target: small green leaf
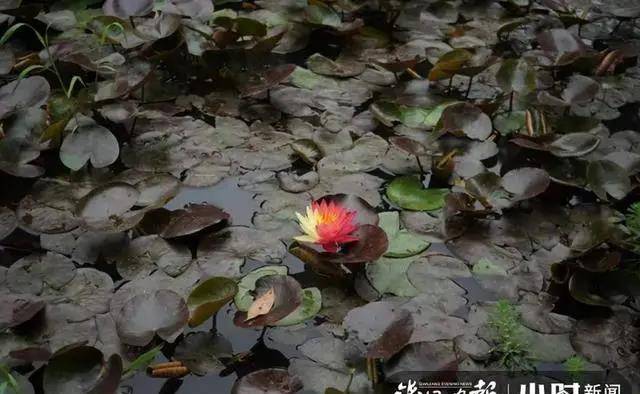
column 402, row 243
column 247, row 285
column 208, row 297
column 142, row 361
column 310, row 306
column 516, row 75
column 407, row 192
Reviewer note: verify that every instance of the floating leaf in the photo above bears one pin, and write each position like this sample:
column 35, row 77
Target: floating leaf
column 322, row 65
column 322, row 14
column 208, row 297
column 112, row 199
column 89, row 142
column 402, row 243
column 449, row 63
column 467, row 119
column 81, row 370
column 298, row 183
column 407, row 192
column 142, row 361
column 308, row 150
column 389, row 275
column 271, row 380
column 23, row 93
column 243, row 298
column 15, row 310
column 261, row 82
column 261, row 305
column 127, row 8
column 525, row 183
column 580, row 90
column 565, row 45
column 567, row 145
column 287, row 297
column 371, row 244
column 606, row 177
column 309, row 307
column 580, row 287
column 162, row 312
column 192, row 219
column 516, row 75
column 8, row 222
column 202, row 352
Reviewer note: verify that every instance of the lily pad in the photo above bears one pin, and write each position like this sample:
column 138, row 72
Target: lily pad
column 525, row 183
column 208, row 297
column 8, row 222
column 309, row 307
column 516, row 75
column 82, row 370
column 162, row 312
column 271, row 380
column 202, row 352
column 112, row 199
column 371, row 244
column 192, row 219
column 288, row 296
column 89, row 142
column 247, row 284
column 408, row 192
column 605, row 177
column 402, row 243
column 15, row 310
column 467, row 119
column 22, row 94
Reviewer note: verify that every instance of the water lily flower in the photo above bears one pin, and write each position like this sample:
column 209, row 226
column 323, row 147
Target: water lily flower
column 327, row 224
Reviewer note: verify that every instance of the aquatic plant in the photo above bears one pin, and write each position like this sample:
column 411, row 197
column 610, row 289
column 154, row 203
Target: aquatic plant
column 632, row 222
column 575, row 366
column 511, row 348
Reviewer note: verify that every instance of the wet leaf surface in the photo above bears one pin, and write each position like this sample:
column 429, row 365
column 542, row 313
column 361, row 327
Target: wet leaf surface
column 267, row 381
column 208, row 297
column 202, row 352
column 192, row 219
column 287, row 297
column 162, row 312
column 408, row 193
column 80, row 370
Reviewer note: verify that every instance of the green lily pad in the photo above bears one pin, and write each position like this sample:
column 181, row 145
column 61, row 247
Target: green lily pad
column 402, row 242
column 310, row 306
column 243, row 298
column 208, row 297
column 485, row 266
column 407, row 192
column 390, row 276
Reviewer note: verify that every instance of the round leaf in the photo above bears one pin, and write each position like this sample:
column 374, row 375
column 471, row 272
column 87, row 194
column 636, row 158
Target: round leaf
column 407, row 192
column 271, row 380
column 525, row 182
column 208, row 297
column 112, row 199
column 162, row 312
column 89, row 142
column 468, row 119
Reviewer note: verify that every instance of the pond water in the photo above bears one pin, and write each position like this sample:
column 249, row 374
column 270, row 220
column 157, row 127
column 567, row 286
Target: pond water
column 317, row 196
